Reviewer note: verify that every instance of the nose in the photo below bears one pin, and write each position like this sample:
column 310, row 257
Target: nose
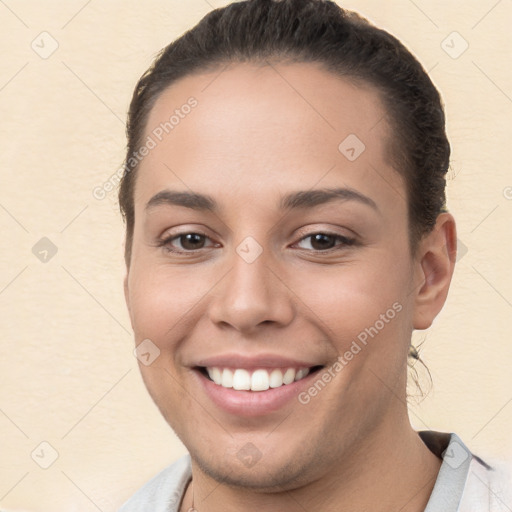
column 251, row 295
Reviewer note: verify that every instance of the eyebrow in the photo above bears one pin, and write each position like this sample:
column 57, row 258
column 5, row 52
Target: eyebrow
column 188, row 199
column 312, row 198
column 302, row 199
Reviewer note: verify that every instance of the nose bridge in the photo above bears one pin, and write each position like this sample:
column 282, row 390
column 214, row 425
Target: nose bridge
column 251, row 293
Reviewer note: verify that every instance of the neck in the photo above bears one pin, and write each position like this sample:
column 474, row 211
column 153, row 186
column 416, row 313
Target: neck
column 394, row 470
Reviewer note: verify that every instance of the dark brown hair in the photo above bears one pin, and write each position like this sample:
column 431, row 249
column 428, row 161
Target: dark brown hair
column 346, row 45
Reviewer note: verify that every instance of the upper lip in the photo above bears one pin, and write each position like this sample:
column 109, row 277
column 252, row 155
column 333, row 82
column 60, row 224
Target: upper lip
column 255, row 361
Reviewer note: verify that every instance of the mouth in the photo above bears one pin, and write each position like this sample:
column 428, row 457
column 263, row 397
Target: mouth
column 251, row 386
column 255, row 380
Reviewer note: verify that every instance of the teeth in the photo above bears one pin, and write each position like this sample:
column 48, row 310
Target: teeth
column 260, row 380
column 276, row 379
column 301, row 373
column 227, row 379
column 215, row 375
column 241, row 380
column 289, row 376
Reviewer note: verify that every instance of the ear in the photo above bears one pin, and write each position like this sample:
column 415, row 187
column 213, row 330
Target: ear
column 127, row 293
column 434, row 266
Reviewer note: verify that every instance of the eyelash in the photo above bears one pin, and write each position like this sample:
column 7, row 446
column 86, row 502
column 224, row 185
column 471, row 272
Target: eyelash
column 346, row 241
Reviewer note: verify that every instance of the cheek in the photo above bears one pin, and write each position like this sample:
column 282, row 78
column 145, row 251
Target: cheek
column 343, row 301
column 164, row 300
column 363, row 302
column 353, row 292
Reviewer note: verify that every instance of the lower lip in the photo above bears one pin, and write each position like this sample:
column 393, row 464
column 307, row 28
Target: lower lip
column 252, row 403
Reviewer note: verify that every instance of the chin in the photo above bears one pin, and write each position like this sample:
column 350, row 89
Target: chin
column 268, row 472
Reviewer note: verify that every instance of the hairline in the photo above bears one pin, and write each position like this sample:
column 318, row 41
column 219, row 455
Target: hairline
column 391, row 144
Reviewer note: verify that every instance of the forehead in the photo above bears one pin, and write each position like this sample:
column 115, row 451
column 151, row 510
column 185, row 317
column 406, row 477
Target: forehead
column 266, row 128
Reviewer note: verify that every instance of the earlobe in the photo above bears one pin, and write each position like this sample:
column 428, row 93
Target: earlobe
column 435, row 265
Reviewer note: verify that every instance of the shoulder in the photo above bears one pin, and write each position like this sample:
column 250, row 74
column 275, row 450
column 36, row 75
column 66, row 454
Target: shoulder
column 163, row 493
column 489, row 484
column 467, row 482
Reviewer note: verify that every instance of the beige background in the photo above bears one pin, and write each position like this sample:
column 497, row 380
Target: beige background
column 68, row 374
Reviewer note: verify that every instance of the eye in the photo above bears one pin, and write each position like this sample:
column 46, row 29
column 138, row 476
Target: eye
column 190, row 241
column 327, row 241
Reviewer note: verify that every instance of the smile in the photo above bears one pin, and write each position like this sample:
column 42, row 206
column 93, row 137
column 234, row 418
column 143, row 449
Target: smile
column 261, row 379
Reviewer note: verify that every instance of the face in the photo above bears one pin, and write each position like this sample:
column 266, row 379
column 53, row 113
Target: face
column 271, row 240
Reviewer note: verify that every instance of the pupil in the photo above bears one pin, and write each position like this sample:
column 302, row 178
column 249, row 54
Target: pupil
column 190, row 239
column 322, row 240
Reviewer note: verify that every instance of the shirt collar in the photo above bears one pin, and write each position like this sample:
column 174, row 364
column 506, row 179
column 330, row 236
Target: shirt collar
column 451, row 479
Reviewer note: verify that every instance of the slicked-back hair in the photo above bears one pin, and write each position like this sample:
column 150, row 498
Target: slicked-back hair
column 343, row 43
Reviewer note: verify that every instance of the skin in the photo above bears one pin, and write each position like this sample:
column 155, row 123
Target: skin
column 258, row 133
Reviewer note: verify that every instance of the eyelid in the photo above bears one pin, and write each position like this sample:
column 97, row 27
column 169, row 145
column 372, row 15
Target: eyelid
column 165, row 241
column 346, row 241
column 312, row 229
column 175, row 232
